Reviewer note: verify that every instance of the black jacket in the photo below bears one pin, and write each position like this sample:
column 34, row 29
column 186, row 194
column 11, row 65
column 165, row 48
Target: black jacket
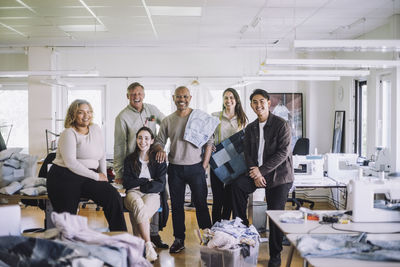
column 277, row 167
column 158, row 173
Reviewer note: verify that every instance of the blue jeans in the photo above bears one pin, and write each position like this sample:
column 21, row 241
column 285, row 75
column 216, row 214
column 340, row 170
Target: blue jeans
column 178, row 177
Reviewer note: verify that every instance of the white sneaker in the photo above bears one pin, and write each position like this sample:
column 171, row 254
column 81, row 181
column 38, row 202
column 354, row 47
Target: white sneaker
column 151, row 254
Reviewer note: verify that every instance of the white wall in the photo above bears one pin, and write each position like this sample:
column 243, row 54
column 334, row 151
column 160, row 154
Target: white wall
column 119, row 66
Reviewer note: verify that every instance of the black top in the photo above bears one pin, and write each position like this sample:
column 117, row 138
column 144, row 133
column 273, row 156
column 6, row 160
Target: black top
column 157, row 171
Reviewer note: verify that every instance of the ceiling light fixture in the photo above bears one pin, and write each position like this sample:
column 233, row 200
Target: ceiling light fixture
column 244, row 29
column 292, row 78
column 12, row 29
column 57, row 82
column 348, row 27
column 83, row 28
column 67, row 73
column 243, row 84
column 348, row 45
column 177, row 11
column 349, row 63
column 91, row 12
column 255, row 22
column 150, row 19
column 26, row 6
column 350, row 73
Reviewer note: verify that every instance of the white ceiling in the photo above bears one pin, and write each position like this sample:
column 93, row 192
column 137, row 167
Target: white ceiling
column 127, row 24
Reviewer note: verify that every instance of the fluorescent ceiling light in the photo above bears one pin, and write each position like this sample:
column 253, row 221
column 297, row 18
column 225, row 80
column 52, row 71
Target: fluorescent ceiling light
column 57, row 82
column 12, row 29
column 91, row 12
column 292, row 78
column 177, row 11
column 350, row 63
column 68, row 73
column 83, row 28
column 13, row 50
column 348, row 45
column 26, row 6
column 146, row 8
column 243, row 84
column 315, row 72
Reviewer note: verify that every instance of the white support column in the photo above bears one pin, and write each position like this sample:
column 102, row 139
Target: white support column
column 40, row 103
column 395, row 134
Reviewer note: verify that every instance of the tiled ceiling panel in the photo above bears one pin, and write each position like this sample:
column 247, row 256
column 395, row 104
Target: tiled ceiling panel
column 222, row 21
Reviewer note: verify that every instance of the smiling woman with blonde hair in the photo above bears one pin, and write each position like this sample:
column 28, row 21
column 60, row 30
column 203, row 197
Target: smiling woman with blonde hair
column 79, row 169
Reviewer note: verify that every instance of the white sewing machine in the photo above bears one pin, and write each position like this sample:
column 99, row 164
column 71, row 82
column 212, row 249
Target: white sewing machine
column 341, row 165
column 308, row 167
column 373, row 200
column 381, row 164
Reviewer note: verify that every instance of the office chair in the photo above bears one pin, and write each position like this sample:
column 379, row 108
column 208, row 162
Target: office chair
column 302, row 147
column 2, row 143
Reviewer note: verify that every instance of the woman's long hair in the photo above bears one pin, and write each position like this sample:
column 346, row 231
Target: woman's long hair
column 72, row 111
column 136, row 153
column 239, row 112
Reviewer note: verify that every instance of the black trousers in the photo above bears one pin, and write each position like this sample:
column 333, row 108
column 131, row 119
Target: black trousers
column 65, row 189
column 178, row 177
column 276, row 200
column 222, row 199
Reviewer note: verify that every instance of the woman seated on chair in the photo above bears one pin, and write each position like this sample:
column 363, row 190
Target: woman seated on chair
column 79, row 169
column 143, row 179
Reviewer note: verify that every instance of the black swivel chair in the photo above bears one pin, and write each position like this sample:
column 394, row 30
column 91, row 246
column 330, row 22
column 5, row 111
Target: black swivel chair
column 2, row 143
column 302, row 147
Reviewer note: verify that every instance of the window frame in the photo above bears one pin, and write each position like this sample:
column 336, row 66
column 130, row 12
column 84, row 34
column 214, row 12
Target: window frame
column 358, row 133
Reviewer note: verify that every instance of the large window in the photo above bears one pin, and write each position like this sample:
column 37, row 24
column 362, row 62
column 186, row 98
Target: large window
column 216, row 103
column 161, row 98
column 14, row 117
column 361, row 118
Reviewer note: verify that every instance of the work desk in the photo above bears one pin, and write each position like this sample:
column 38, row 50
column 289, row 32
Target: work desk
column 334, row 262
column 314, row 227
column 335, row 228
column 303, row 182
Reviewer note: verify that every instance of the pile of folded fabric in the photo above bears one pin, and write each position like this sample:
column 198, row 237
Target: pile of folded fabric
column 17, row 173
column 72, row 243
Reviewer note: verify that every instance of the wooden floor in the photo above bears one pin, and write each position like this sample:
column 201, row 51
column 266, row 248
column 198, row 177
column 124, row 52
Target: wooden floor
column 33, row 217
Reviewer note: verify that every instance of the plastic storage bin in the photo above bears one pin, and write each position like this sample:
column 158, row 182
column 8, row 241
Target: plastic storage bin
column 227, row 258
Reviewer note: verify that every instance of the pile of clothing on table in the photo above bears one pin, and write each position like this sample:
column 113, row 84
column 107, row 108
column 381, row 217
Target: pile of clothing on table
column 349, row 246
column 17, row 173
column 231, row 234
column 72, row 243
